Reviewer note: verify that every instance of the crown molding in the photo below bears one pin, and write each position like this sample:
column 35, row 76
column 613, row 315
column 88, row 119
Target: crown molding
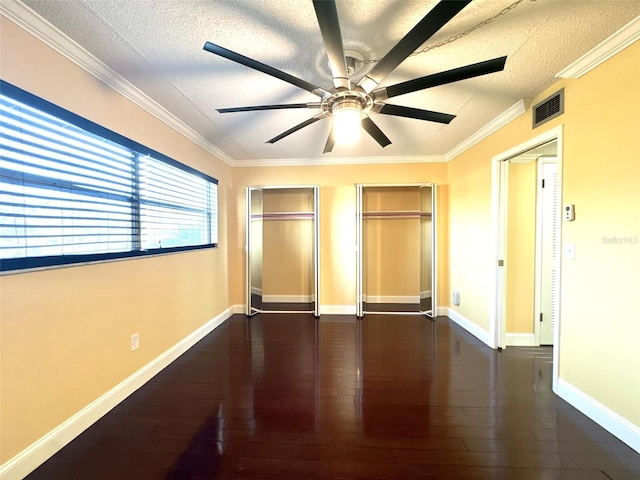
column 493, row 126
column 18, row 13
column 299, row 162
column 603, row 51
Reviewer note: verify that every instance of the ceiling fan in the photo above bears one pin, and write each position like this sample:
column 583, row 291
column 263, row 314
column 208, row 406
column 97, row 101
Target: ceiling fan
column 358, row 101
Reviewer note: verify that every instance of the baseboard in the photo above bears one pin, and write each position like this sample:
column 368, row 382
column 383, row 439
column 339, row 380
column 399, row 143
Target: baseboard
column 237, row 308
column 337, row 309
column 391, row 298
column 256, row 291
column 520, row 340
column 44, row 448
column 603, row 416
column 287, row 298
column 469, row 326
column 351, row 310
column 425, row 294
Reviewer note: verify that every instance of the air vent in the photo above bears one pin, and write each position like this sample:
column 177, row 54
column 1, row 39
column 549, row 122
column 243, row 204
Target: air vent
column 550, row 108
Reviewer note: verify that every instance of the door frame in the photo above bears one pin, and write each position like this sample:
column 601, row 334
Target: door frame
column 499, row 173
column 316, row 253
column 360, row 312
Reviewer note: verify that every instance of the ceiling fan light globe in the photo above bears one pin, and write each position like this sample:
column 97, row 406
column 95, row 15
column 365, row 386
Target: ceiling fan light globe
column 347, row 121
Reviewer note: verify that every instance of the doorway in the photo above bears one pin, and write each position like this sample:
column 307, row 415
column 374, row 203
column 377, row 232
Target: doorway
column 530, row 256
column 526, row 199
column 396, row 246
column 282, row 245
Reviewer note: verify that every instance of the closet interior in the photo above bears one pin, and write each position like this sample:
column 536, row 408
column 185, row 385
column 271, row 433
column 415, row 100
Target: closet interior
column 282, row 247
column 396, row 245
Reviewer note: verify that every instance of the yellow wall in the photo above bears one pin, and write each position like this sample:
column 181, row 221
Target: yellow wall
column 521, row 247
column 598, row 326
column 65, row 332
column 337, row 216
column 469, row 256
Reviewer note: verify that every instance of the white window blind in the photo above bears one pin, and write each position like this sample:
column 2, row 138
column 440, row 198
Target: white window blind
column 176, row 208
column 71, row 190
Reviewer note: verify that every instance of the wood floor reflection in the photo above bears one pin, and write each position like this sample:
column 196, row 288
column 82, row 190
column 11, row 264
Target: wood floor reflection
column 283, row 396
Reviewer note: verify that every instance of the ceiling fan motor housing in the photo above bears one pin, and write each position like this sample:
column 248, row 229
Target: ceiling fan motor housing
column 351, row 103
column 351, row 99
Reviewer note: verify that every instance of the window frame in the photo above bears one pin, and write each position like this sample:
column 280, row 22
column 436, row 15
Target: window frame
column 140, row 151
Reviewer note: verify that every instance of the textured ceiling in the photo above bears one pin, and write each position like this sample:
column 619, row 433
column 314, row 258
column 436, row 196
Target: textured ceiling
column 157, row 46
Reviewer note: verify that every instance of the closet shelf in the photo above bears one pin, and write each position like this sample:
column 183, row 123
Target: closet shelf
column 395, row 214
column 283, row 216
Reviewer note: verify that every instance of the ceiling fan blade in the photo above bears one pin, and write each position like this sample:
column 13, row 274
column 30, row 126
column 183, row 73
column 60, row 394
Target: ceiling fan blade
column 400, row 111
column 331, row 141
column 442, row 78
column 261, row 67
column 306, row 123
column 327, row 14
column 281, row 106
column 373, row 130
column 430, row 24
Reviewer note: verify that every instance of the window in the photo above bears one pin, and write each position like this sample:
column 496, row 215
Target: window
column 72, row 191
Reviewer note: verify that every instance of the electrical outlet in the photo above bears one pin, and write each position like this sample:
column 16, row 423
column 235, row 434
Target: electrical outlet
column 135, row 341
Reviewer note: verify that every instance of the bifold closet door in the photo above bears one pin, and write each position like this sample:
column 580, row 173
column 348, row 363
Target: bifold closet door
column 360, row 307
column 427, row 250
column 254, row 249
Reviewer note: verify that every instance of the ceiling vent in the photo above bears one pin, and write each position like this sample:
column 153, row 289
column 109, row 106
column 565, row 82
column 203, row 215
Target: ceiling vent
column 549, row 108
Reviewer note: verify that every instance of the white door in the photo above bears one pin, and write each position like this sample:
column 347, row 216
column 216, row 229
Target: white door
column 548, row 223
column 253, row 249
column 428, row 250
column 359, row 258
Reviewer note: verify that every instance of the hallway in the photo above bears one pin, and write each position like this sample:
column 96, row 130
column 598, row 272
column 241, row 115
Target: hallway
column 391, row 396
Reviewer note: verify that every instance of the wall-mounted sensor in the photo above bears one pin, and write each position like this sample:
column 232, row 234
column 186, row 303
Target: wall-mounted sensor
column 570, row 212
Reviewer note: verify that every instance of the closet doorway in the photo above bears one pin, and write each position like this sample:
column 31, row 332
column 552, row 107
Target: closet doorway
column 396, row 249
column 283, row 249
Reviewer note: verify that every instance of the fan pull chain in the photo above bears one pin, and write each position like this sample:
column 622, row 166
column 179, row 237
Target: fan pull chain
column 458, row 36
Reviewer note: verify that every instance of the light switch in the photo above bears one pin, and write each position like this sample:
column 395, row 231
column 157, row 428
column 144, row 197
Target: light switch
column 570, row 251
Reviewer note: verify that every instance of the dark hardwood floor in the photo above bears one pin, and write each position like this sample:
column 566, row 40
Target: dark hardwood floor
column 283, row 396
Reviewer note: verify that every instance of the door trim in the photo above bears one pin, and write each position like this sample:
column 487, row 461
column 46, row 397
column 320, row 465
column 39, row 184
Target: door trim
column 498, row 249
column 360, row 311
column 316, row 253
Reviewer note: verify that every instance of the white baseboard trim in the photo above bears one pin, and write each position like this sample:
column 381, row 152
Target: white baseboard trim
column 442, row 311
column 42, row 449
column 520, row 340
column 392, row 298
column 337, row 309
column 468, row 325
column 256, row 291
column 237, row 308
column 287, row 298
column 425, row 294
column 619, row 426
